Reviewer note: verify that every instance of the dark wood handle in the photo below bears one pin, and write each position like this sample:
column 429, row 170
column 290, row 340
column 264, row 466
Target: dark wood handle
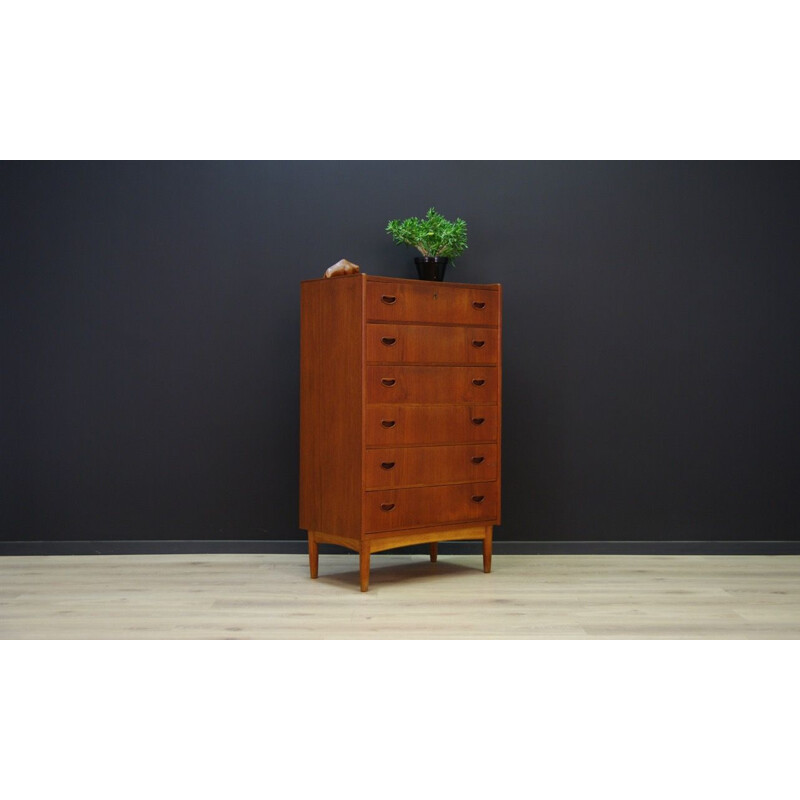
column 390, row 506
column 478, row 459
column 389, row 299
column 478, row 342
column 478, row 420
column 390, row 423
column 387, row 464
column 388, row 340
column 478, row 498
column 478, row 382
column 388, row 381
column 477, row 304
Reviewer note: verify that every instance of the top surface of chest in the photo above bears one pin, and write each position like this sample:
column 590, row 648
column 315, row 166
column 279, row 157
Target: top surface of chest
column 402, row 300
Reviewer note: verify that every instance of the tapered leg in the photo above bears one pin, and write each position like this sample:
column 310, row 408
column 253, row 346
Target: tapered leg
column 313, row 554
column 434, row 551
column 487, row 550
column 363, row 566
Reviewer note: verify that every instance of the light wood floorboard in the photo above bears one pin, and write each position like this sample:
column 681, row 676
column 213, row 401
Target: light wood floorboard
column 525, row 597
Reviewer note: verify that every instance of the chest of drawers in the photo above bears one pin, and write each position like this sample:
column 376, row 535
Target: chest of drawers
column 400, row 396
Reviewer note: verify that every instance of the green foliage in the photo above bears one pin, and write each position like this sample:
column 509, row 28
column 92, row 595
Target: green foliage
column 432, row 236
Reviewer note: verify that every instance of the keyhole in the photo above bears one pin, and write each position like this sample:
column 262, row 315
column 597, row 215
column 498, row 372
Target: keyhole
column 436, row 295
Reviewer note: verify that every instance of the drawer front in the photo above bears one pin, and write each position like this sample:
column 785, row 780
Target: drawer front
column 432, row 344
column 399, row 425
column 404, row 384
column 395, row 509
column 430, row 301
column 397, row 467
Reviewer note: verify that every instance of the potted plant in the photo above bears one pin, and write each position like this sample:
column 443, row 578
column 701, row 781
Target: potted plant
column 438, row 239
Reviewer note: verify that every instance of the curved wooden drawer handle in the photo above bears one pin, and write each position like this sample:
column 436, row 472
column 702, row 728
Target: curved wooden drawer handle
column 477, row 304
column 387, row 464
column 478, row 459
column 478, row 382
column 478, row 498
column 389, row 506
column 389, row 423
column 478, row 342
column 388, row 340
column 478, row 420
column 389, row 299
column 388, row 381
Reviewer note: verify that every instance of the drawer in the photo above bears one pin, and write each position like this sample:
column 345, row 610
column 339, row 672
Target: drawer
column 395, row 509
column 399, row 425
column 430, row 301
column 395, row 467
column 432, row 344
column 405, row 384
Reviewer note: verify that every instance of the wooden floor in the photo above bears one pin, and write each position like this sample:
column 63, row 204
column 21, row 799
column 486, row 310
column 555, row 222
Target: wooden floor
column 525, row 597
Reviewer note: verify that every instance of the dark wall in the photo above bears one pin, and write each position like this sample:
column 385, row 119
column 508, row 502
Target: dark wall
column 150, row 340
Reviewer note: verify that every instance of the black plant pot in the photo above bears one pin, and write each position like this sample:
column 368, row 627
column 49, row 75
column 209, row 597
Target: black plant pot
column 431, row 268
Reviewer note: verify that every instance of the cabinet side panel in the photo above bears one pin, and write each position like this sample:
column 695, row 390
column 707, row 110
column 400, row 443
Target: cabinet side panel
column 499, row 401
column 331, row 427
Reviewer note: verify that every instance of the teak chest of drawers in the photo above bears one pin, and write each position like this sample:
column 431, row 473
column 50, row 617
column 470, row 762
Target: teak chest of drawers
column 399, row 414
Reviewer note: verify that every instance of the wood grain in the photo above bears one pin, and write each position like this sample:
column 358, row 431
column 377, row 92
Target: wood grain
column 440, row 384
column 398, row 467
column 393, row 509
column 313, row 554
column 396, row 424
column 431, row 344
column 331, row 387
column 395, row 383
column 375, row 543
column 431, row 302
column 499, row 416
column 397, row 539
column 526, row 597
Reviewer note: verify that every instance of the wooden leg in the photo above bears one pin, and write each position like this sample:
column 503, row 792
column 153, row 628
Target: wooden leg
column 313, row 554
column 363, row 566
column 434, row 550
column 487, row 550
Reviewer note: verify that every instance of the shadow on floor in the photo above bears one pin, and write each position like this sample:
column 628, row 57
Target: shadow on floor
column 396, row 572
